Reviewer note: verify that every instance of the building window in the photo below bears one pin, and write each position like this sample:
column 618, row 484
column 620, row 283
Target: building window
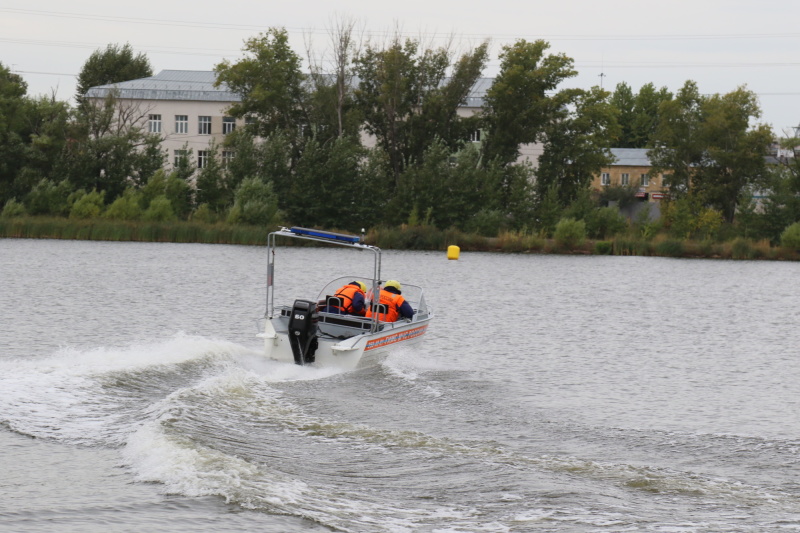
column 154, row 125
column 605, row 178
column 181, row 123
column 227, row 157
column 475, row 136
column 202, row 158
column 204, row 125
column 228, row 125
column 644, row 179
column 626, row 179
column 179, row 156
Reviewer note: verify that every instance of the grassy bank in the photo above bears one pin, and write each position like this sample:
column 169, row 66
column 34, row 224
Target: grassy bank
column 115, row 230
column 400, row 238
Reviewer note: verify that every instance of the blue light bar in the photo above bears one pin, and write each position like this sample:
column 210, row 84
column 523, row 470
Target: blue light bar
column 325, row 234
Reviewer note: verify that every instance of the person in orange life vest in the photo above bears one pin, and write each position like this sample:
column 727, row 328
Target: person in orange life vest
column 352, row 296
column 396, row 305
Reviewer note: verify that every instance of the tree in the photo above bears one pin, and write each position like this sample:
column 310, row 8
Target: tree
column 331, row 108
column 46, row 125
column 407, row 100
column 677, row 143
column 518, row 105
column 108, row 149
column 212, row 188
column 270, row 83
column 12, row 137
column 326, row 187
column 577, row 138
column 707, row 148
column 624, row 101
column 646, row 114
column 447, row 190
column 638, row 114
column 114, row 64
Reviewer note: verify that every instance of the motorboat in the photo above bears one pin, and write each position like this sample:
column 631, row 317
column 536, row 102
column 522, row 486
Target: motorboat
column 304, row 332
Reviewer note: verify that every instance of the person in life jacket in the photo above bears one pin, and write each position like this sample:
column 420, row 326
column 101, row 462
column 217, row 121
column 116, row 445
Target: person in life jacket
column 396, row 305
column 352, row 297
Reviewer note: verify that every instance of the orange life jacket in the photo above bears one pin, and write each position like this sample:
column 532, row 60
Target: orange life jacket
column 392, row 302
column 347, row 294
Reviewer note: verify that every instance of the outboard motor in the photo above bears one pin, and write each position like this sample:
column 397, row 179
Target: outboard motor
column 303, row 331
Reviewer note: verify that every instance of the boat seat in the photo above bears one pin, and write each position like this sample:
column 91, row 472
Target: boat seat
column 380, row 308
column 345, row 320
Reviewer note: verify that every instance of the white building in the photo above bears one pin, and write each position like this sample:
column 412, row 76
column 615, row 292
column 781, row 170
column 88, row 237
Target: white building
column 182, row 106
column 189, row 112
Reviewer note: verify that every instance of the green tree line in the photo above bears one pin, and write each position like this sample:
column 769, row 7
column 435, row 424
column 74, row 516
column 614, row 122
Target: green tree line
column 301, row 159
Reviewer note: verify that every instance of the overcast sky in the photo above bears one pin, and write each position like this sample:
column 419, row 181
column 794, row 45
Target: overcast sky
column 719, row 44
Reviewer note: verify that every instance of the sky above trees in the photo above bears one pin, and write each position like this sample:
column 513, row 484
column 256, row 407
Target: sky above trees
column 721, row 45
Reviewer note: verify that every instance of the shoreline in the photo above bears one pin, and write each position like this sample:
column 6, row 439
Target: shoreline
column 402, row 238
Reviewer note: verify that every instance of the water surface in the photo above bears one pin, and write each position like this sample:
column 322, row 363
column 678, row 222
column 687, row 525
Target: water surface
column 552, row 393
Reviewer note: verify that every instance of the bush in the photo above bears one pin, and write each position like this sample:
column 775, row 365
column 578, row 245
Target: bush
column 606, row 222
column 47, row 198
column 486, row 222
column 603, row 247
column 88, row 205
column 254, row 204
column 160, row 210
column 570, row 233
column 179, row 194
column 126, row 207
column 708, row 222
column 790, row 238
column 203, row 213
column 13, row 209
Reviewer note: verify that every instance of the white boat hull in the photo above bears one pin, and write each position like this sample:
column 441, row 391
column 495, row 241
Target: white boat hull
column 359, row 351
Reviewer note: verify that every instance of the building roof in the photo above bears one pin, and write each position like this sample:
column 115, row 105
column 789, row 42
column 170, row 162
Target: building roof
column 630, row 157
column 198, row 85
column 194, row 85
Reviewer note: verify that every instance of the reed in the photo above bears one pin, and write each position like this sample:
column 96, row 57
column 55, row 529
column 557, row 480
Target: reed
column 418, row 237
column 118, row 230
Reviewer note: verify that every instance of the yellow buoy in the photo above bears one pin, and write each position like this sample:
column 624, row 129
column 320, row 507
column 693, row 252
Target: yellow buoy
column 453, row 251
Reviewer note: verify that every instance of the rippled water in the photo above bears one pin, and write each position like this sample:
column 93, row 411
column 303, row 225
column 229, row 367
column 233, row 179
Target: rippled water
column 552, row 393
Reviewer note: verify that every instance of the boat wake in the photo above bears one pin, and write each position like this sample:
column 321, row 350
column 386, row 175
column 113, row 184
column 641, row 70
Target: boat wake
column 100, row 396
column 208, row 417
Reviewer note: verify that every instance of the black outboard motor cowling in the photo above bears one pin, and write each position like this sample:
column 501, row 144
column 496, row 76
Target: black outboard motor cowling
column 303, row 331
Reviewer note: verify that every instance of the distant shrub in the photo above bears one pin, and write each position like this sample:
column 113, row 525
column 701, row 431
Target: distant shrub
column 790, row 238
column 707, row 223
column 486, row 222
column 255, row 203
column 126, row 207
column 48, row 198
column 13, row 209
column 88, row 205
column 603, row 247
column 570, row 233
column 160, row 210
column 606, row 222
column 205, row 214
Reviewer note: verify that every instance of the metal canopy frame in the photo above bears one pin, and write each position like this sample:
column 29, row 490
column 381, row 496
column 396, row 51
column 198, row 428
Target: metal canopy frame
column 337, row 239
